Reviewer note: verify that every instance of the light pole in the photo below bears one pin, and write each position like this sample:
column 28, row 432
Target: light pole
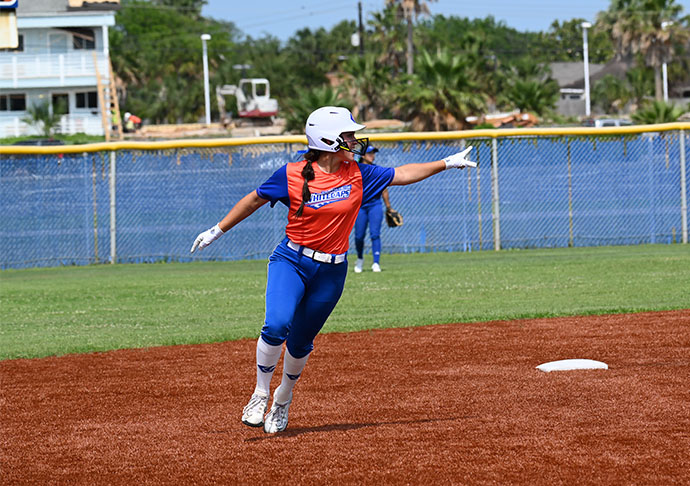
column 207, row 100
column 664, row 69
column 585, row 50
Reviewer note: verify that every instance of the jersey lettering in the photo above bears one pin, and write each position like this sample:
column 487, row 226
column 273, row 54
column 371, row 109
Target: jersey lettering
column 321, row 199
column 330, row 214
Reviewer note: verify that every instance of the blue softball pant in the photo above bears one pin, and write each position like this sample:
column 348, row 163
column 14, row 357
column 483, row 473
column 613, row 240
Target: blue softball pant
column 300, row 295
column 372, row 215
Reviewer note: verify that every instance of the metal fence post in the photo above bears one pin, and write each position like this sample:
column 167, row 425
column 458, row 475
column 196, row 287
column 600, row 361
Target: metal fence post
column 113, row 223
column 494, row 195
column 571, row 239
column 94, row 195
column 683, row 192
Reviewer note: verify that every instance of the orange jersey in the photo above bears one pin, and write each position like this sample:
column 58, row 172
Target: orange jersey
column 330, row 213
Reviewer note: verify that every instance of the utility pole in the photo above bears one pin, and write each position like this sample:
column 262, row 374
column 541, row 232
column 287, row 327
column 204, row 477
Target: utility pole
column 361, row 30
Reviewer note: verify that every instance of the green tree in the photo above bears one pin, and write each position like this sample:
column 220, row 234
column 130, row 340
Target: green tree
column 307, row 100
column 43, row 118
column 387, row 39
column 527, row 85
column 610, row 94
column 658, row 112
column 564, row 41
column 321, row 49
column 440, row 95
column 189, row 7
column 410, row 10
column 156, row 50
column 366, row 82
column 640, row 81
column 636, row 27
column 530, row 95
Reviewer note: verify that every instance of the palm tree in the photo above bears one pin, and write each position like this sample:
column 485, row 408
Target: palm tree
column 533, row 95
column 407, row 9
column 45, row 119
column 529, row 68
column 640, row 82
column 527, row 85
column 389, row 38
column 637, row 26
column 658, row 112
column 307, row 100
column 610, row 93
column 365, row 82
column 440, row 95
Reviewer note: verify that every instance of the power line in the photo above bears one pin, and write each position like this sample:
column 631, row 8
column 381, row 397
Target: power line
column 329, row 10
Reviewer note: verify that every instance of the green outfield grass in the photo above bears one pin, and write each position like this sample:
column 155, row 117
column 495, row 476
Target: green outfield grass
column 57, row 311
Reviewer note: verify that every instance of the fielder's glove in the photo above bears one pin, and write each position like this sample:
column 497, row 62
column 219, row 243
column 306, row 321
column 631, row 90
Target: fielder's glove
column 459, row 160
column 206, row 238
column 393, row 218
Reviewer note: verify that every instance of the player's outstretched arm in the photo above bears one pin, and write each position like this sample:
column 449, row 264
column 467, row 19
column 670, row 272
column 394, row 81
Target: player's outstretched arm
column 411, row 173
column 244, row 208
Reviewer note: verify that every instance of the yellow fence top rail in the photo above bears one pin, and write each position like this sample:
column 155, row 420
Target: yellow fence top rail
column 382, row 137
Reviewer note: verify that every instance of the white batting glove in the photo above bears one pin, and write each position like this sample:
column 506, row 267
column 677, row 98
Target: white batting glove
column 206, row 238
column 458, row 161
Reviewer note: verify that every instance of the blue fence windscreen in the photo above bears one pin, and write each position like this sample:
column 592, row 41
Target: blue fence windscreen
column 549, row 191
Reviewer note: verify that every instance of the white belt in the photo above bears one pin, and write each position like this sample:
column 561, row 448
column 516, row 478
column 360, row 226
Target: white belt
column 317, row 256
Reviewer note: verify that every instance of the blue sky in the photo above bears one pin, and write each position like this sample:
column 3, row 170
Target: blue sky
column 282, row 18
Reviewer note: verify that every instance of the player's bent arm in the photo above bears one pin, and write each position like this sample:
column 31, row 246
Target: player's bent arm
column 411, row 173
column 240, row 211
column 244, row 207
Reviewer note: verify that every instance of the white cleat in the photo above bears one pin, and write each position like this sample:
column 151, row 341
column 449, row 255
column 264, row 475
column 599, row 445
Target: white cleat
column 277, row 418
column 253, row 413
column 358, row 265
column 375, row 267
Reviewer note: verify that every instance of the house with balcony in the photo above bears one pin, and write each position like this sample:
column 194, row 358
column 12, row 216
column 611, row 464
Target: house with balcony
column 61, row 60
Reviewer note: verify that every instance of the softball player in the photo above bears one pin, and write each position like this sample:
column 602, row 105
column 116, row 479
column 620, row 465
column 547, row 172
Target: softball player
column 306, row 271
column 370, row 214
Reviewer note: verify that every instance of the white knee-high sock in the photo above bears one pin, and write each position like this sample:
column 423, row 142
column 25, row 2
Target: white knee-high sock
column 267, row 357
column 292, row 369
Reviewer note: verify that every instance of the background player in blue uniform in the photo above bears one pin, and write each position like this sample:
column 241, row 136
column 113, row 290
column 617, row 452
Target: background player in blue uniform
column 370, row 214
column 306, row 271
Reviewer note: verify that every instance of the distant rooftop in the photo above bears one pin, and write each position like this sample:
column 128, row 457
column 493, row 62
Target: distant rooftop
column 571, row 74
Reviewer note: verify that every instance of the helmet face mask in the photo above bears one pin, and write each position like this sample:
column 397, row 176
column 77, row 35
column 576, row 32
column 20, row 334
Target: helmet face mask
column 325, row 128
column 359, row 149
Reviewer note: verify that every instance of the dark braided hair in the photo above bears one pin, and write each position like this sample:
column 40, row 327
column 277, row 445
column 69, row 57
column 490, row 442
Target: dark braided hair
column 308, row 173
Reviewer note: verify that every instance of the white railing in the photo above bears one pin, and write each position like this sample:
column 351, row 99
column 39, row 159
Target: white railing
column 17, row 69
column 69, row 124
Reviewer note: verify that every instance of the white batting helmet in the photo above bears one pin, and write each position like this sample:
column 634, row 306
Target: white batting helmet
column 325, row 125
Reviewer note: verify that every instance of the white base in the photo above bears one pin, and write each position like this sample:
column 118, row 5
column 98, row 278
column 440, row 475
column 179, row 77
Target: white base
column 573, row 364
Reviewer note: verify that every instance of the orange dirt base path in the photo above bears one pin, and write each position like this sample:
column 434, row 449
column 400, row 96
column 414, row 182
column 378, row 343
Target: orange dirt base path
column 450, row 404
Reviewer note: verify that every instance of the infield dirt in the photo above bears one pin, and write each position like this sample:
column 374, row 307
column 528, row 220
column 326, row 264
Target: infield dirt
column 447, row 404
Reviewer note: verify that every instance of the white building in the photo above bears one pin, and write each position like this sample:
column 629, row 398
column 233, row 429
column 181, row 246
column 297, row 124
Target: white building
column 62, row 45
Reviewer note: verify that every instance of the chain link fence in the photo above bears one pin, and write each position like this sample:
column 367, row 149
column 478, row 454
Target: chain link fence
column 529, row 191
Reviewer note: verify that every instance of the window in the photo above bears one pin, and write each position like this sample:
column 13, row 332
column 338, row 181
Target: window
column 13, row 102
column 83, row 39
column 60, row 103
column 19, row 48
column 87, row 100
